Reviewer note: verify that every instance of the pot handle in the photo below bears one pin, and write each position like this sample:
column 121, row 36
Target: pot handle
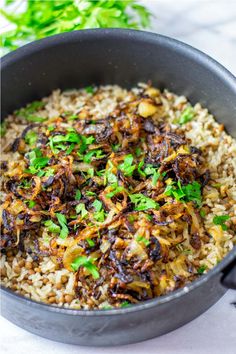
column 228, row 279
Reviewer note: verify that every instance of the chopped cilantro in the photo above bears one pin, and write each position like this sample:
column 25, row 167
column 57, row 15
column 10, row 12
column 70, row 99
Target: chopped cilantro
column 100, row 215
column 142, row 202
column 89, row 89
column 190, row 192
column 51, row 128
column 138, row 151
column 90, row 194
column 98, row 154
column 31, row 203
column 97, row 204
column 78, row 195
column 150, row 170
column 90, row 242
column 125, row 304
column 73, row 117
column 126, row 167
column 139, row 169
column 115, row 190
column 80, row 209
column 37, row 161
column 202, row 213
column 63, row 223
column 186, row 116
column 143, row 240
column 29, row 110
column 220, row 220
column 31, row 137
column 52, row 227
column 115, row 147
column 83, row 261
column 202, row 269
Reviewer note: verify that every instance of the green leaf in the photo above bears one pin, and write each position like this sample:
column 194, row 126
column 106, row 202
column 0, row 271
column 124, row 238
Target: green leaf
column 143, row 240
column 80, row 209
column 83, row 261
column 202, row 269
column 31, row 203
column 63, row 223
column 98, row 154
column 90, row 193
column 125, row 304
column 190, row 192
column 91, row 243
column 78, row 195
column 186, row 116
column 202, row 213
column 142, row 202
column 115, row 190
column 220, row 220
column 89, row 89
column 29, row 110
column 97, row 204
column 126, row 167
column 52, row 227
column 31, row 137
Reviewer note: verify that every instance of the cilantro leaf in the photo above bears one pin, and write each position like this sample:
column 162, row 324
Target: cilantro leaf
column 126, row 167
column 31, row 137
column 190, row 192
column 63, row 223
column 220, row 220
column 80, row 209
column 186, row 116
column 52, row 227
column 202, row 269
column 83, row 261
column 142, row 202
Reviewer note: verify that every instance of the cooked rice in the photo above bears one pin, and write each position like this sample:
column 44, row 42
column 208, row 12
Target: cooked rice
column 42, row 280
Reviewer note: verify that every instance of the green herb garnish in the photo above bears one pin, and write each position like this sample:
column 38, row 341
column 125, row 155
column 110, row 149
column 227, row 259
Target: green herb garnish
column 90, row 194
column 126, row 167
column 142, row 202
column 98, row 154
column 143, row 240
column 90, row 242
column 37, row 161
column 31, row 137
column 220, row 220
column 29, row 112
column 202, row 269
column 125, row 304
column 89, row 89
column 31, row 203
column 115, row 190
column 80, row 209
column 190, row 192
column 83, row 261
column 186, row 116
column 150, row 170
column 52, row 227
column 202, row 213
column 78, row 195
column 63, row 223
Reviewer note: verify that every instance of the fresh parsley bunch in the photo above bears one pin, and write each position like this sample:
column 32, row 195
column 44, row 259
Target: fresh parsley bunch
column 39, row 19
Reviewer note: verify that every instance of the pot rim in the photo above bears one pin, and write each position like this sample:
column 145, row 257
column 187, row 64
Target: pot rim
column 125, row 34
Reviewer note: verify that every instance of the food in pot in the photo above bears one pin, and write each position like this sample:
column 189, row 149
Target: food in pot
column 111, row 197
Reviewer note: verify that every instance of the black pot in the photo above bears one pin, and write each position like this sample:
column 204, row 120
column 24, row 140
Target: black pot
column 123, row 57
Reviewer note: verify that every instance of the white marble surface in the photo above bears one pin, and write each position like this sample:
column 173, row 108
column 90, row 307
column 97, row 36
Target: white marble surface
column 209, row 25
